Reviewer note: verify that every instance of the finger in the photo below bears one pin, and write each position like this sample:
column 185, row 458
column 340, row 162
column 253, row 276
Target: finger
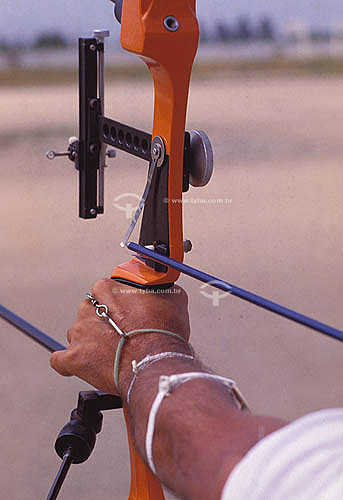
column 59, row 362
column 85, row 328
column 178, row 295
column 85, row 310
column 69, row 335
column 102, row 287
column 181, row 293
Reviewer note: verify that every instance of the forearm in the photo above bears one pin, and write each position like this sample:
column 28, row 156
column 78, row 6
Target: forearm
column 199, row 435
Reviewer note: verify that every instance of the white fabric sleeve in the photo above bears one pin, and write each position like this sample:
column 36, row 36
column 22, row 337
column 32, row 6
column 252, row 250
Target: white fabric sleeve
column 301, row 461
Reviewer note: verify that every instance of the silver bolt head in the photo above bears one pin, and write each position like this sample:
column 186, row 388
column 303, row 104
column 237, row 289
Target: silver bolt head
column 101, row 34
column 51, row 155
column 92, row 211
column 156, row 151
column 92, row 47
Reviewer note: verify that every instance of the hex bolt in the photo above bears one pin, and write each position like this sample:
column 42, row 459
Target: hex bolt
column 187, row 246
column 156, row 152
column 111, row 153
column 93, row 103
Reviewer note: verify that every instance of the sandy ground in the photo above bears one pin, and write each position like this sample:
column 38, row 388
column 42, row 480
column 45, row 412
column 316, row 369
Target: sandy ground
column 279, row 150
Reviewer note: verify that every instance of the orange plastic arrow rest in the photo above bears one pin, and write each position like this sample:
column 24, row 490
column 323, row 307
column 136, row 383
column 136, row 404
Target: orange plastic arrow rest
column 169, row 56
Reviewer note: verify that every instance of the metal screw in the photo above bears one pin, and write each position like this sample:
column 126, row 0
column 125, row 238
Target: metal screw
column 92, row 47
column 187, row 246
column 111, row 153
column 93, row 148
column 92, row 211
column 156, row 152
column 51, row 155
column 93, row 103
column 171, row 23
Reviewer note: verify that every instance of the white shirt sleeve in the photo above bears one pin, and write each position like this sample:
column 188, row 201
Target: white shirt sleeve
column 302, row 461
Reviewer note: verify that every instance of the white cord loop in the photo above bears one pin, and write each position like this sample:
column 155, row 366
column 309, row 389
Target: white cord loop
column 148, row 361
column 167, row 385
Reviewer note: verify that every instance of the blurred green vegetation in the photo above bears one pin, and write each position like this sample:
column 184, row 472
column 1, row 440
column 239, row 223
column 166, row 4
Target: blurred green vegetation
column 19, row 77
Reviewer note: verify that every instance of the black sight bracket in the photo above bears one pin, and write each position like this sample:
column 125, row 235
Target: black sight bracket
column 96, row 132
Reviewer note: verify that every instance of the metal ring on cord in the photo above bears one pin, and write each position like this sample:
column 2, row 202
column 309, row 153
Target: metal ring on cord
column 104, row 309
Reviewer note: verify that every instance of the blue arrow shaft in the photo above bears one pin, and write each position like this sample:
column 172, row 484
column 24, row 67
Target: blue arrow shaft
column 31, row 331
column 239, row 292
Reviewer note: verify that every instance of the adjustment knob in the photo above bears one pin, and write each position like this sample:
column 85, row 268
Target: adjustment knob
column 202, row 159
column 72, row 140
column 101, row 34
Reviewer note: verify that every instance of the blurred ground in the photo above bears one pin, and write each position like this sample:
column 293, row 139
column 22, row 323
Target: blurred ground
column 279, row 149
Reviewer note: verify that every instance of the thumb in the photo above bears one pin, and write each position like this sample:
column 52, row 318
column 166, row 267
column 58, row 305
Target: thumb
column 59, row 362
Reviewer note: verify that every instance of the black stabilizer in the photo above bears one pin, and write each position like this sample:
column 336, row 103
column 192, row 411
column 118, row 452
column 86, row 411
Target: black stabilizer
column 76, row 440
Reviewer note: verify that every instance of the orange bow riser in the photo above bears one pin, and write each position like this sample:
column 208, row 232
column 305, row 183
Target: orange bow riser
column 164, row 34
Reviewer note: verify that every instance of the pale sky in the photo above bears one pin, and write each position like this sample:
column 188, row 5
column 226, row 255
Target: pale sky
column 23, row 19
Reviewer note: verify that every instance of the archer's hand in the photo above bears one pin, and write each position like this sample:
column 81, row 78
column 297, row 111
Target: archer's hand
column 93, row 342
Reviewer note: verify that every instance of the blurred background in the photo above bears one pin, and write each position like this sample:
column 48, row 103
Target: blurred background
column 267, row 88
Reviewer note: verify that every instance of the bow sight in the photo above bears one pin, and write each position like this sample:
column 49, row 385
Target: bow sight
column 96, row 132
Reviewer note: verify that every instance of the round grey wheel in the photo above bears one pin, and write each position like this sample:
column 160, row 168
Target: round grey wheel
column 202, row 159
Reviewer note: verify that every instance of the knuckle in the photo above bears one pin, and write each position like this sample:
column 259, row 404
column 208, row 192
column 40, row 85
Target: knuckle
column 100, row 285
column 70, row 360
column 84, row 308
column 75, row 332
column 69, row 335
column 53, row 360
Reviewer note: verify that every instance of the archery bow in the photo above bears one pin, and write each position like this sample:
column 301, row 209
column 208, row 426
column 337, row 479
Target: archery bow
column 164, row 34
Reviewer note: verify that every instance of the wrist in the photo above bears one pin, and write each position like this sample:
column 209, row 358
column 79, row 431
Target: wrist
column 138, row 347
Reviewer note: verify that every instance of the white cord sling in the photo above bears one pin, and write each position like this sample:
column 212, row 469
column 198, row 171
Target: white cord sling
column 167, row 385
